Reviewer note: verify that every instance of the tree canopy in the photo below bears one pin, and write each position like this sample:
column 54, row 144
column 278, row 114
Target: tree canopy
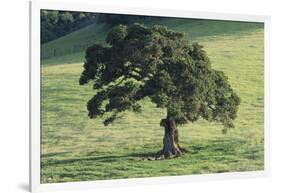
column 162, row 65
column 116, row 19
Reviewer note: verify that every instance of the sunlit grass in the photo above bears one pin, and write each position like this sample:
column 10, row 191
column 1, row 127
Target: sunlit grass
column 76, row 148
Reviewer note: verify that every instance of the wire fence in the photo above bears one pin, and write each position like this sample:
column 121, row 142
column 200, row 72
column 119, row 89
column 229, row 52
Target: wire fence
column 45, row 54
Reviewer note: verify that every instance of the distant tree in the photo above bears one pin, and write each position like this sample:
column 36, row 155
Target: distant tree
column 117, row 19
column 161, row 65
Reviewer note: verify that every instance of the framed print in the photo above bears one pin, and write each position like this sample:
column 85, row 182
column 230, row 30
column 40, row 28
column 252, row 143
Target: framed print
column 124, row 96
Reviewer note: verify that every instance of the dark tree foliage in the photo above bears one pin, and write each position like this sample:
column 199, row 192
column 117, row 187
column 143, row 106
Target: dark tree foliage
column 161, row 65
column 55, row 24
column 116, row 19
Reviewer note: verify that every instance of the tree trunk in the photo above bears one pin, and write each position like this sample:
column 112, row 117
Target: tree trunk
column 171, row 146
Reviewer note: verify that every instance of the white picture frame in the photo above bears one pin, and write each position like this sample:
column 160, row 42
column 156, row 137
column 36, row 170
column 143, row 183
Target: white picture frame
column 86, row 6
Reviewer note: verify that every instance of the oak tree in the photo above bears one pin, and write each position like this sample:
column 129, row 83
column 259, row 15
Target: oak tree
column 154, row 62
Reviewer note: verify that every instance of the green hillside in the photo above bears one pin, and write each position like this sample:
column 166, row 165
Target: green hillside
column 70, row 48
column 75, row 148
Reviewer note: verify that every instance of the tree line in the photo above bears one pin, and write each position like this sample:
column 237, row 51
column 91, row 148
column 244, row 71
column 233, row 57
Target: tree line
column 55, row 24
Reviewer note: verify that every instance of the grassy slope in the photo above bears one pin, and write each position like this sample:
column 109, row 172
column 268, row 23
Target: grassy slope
column 70, row 48
column 95, row 33
column 76, row 148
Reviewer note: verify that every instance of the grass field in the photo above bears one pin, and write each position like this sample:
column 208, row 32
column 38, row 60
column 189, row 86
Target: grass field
column 76, row 148
column 95, row 33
